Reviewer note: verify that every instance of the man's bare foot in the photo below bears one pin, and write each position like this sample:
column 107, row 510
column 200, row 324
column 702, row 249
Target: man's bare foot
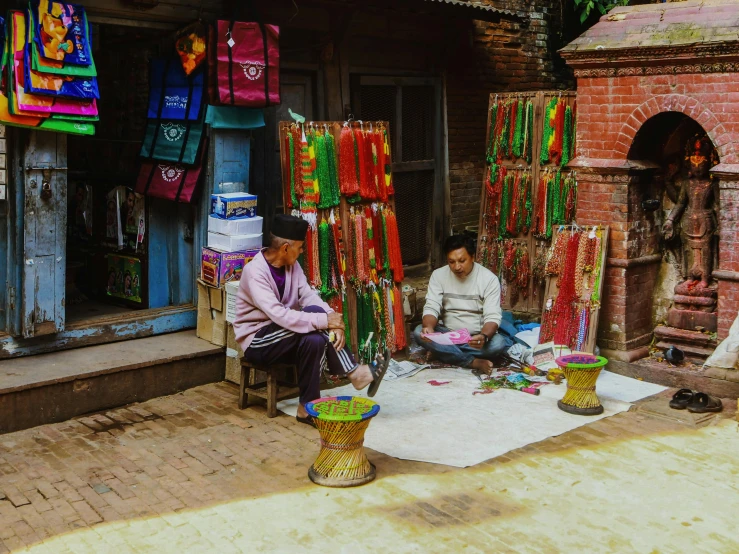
column 485, row 366
column 360, row 377
column 302, row 412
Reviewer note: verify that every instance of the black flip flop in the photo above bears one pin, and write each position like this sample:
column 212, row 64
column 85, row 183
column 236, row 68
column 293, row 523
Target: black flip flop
column 703, row 403
column 378, row 372
column 681, row 399
column 307, row 420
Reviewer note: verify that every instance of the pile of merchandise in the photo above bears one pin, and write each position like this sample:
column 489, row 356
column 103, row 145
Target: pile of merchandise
column 525, row 191
column 49, row 80
column 576, row 260
column 337, row 177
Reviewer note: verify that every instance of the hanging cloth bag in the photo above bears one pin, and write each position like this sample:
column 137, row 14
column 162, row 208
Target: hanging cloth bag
column 61, row 33
column 45, row 65
column 22, row 103
column 247, row 64
column 168, row 180
column 174, row 95
column 172, row 141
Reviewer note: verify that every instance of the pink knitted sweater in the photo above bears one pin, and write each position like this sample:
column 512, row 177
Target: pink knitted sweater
column 258, row 303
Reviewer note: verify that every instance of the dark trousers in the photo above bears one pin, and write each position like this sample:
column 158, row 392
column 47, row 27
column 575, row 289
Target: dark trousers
column 310, row 352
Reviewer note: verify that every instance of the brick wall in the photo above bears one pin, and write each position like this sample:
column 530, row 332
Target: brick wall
column 492, row 57
column 612, row 109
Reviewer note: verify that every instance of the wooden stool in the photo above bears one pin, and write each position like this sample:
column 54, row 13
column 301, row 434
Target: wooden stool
column 272, row 390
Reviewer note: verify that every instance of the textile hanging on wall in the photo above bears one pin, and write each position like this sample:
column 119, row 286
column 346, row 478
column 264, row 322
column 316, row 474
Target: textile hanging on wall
column 526, row 190
column 50, row 109
column 574, row 269
column 337, row 176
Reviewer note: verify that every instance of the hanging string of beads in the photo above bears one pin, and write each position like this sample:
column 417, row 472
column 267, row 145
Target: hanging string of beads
column 529, row 135
column 547, row 137
column 567, row 137
column 348, row 183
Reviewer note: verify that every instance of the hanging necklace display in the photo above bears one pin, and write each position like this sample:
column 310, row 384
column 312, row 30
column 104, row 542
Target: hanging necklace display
column 323, row 162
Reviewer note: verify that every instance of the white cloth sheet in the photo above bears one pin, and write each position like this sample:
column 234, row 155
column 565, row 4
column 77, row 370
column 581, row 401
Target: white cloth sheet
column 449, row 425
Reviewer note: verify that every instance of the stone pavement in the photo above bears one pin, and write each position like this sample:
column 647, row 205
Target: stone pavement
column 192, row 473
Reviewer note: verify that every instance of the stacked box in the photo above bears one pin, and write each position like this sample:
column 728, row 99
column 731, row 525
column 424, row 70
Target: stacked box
column 211, row 324
column 232, row 205
column 218, row 267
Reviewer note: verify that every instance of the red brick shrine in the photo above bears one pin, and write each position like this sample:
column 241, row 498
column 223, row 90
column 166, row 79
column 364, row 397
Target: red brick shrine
column 658, row 161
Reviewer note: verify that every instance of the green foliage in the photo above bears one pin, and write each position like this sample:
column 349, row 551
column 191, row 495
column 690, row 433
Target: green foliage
column 586, row 7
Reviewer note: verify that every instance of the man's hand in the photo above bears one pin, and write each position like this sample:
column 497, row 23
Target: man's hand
column 478, row 341
column 426, row 331
column 339, row 340
column 335, row 321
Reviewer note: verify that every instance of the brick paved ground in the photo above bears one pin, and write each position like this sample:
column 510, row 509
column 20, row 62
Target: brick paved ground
column 192, row 473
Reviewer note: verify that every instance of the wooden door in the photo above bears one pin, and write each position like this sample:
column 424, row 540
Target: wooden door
column 412, row 106
column 44, row 234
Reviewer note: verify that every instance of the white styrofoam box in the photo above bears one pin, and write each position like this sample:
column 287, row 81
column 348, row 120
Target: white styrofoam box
column 234, row 243
column 247, row 226
column 232, row 288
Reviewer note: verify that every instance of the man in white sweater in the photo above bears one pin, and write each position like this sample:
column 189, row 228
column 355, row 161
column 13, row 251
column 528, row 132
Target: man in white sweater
column 463, row 295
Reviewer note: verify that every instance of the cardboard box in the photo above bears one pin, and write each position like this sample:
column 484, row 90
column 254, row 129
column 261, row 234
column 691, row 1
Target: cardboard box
column 211, row 314
column 234, row 243
column 231, row 289
column 243, row 226
column 231, row 205
column 218, row 268
column 233, row 357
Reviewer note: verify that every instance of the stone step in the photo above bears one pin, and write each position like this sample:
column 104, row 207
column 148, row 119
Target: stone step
column 690, row 350
column 48, row 388
column 663, row 332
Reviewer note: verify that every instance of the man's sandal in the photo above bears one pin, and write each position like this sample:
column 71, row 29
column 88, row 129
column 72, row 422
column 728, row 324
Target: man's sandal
column 681, row 399
column 307, row 420
column 703, row 403
column 378, row 368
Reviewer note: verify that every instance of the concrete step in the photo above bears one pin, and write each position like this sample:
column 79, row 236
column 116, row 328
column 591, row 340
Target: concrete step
column 47, row 388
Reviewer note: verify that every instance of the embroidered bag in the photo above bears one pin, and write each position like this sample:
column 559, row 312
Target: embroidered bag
column 174, row 95
column 172, row 141
column 168, row 180
column 246, row 64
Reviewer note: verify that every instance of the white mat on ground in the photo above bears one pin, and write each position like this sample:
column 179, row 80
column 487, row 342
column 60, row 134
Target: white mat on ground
column 449, row 425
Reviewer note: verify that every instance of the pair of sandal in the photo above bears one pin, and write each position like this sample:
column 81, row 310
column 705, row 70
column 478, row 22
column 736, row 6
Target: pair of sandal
column 378, row 368
column 695, row 402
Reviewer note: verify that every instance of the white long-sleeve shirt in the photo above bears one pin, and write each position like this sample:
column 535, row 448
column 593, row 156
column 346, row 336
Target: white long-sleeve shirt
column 464, row 303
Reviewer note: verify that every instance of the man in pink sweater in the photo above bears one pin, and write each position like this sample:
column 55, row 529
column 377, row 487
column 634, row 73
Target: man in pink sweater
column 280, row 319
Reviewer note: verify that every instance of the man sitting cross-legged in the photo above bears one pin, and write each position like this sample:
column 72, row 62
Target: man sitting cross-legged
column 280, row 319
column 463, row 295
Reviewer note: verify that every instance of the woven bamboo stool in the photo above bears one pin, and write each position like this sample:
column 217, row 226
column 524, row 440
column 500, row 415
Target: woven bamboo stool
column 342, row 422
column 581, row 372
column 272, row 390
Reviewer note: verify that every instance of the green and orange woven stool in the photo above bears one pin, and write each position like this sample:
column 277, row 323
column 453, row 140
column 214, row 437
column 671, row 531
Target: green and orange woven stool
column 342, row 422
column 581, row 372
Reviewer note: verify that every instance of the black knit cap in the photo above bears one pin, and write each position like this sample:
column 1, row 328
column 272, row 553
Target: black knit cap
column 289, row 227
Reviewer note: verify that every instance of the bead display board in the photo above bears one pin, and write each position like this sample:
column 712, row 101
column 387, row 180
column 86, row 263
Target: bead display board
column 509, row 240
column 380, row 259
column 557, row 320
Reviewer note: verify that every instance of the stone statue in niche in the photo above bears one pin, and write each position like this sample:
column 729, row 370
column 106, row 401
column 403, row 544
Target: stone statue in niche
column 695, row 221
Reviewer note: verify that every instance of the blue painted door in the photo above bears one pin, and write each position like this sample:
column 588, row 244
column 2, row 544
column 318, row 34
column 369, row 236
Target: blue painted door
column 232, row 151
column 44, row 234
